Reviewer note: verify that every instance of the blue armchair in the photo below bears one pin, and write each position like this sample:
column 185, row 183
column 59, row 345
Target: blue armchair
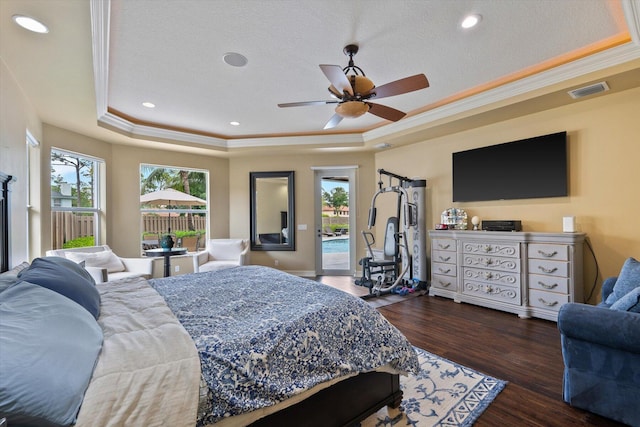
column 601, row 353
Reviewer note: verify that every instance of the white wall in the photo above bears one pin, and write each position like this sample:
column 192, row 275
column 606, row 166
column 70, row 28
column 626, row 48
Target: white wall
column 17, row 116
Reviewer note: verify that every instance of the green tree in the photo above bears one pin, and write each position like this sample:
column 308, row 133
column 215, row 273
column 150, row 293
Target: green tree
column 336, row 198
column 83, row 168
column 154, row 178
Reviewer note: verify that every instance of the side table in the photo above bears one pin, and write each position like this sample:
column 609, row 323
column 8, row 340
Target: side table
column 167, row 254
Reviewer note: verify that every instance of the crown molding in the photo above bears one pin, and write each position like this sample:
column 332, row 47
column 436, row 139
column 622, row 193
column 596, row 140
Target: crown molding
column 100, row 13
column 600, row 61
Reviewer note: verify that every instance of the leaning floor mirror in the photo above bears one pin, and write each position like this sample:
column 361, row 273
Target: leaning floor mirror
column 272, row 211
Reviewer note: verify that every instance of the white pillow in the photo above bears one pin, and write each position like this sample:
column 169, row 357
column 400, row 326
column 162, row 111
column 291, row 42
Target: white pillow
column 225, row 249
column 102, row 259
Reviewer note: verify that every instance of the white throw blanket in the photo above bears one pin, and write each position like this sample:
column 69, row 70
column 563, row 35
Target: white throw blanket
column 148, row 372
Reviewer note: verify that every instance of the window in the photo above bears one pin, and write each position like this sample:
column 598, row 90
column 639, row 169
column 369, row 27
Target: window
column 173, row 200
column 74, row 200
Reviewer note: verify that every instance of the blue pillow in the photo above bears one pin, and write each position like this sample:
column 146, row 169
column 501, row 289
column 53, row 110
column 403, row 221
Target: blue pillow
column 49, row 346
column 629, row 302
column 53, row 274
column 10, row 277
column 628, row 280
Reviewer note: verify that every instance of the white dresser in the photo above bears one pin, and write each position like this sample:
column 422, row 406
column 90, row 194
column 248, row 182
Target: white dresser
column 529, row 274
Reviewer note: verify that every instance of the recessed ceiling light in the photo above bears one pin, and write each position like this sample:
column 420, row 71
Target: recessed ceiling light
column 30, row 24
column 235, row 59
column 471, row 21
column 234, row 123
column 149, row 104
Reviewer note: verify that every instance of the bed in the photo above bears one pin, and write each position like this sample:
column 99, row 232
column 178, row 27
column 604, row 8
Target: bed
column 198, row 349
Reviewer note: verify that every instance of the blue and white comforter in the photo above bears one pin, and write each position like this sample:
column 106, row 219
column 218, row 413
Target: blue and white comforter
column 264, row 335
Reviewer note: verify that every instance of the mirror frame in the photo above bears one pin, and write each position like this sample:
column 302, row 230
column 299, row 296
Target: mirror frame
column 290, row 245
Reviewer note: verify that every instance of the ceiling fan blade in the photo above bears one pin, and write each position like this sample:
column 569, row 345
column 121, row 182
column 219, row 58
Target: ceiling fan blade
column 385, row 112
column 333, row 122
column 305, row 103
column 337, row 78
column 398, row 87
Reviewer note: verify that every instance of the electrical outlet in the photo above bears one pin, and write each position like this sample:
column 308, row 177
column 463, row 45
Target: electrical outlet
column 177, row 268
column 276, row 262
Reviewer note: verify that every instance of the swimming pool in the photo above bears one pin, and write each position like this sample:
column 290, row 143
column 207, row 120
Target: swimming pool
column 335, row 246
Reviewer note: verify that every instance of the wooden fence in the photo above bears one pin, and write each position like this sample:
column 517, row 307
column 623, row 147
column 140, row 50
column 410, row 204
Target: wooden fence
column 160, row 224
column 68, row 226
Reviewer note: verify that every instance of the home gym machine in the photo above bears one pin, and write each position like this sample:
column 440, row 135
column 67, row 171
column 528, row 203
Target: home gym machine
column 403, row 261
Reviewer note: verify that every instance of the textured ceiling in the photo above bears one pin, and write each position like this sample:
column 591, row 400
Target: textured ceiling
column 169, row 52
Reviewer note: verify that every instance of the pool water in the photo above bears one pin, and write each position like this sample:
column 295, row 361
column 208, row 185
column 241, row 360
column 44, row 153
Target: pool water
column 335, row 246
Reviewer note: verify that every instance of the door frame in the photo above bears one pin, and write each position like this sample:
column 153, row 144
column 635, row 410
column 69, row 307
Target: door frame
column 350, row 173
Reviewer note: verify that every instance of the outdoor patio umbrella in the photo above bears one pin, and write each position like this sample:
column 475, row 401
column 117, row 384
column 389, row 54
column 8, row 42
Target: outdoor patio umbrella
column 169, row 196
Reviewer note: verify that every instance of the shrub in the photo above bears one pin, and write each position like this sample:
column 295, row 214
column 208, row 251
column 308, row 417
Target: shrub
column 80, row 242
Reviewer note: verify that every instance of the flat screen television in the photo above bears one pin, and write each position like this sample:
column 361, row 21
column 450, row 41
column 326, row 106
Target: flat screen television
column 529, row 168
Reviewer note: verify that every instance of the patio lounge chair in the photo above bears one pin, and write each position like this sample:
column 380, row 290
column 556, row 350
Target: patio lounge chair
column 326, row 231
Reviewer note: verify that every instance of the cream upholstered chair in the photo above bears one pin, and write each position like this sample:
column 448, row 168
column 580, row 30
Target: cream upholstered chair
column 104, row 265
column 221, row 253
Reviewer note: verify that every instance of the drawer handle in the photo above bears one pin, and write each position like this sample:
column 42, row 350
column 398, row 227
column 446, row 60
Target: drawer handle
column 441, row 246
column 548, row 304
column 488, row 275
column 444, row 258
column 444, row 271
column 548, row 270
column 548, row 254
column 488, row 248
column 488, row 261
column 443, row 284
column 544, row 285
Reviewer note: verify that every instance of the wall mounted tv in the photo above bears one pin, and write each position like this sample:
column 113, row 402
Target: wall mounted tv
column 525, row 169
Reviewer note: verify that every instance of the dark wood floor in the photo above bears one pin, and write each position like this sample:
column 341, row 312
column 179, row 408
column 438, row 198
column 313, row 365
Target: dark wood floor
column 524, row 352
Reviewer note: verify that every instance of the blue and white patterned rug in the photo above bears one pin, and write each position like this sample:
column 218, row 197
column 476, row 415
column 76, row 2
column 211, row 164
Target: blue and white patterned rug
column 443, row 394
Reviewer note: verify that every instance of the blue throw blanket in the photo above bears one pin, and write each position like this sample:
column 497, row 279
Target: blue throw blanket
column 264, row 335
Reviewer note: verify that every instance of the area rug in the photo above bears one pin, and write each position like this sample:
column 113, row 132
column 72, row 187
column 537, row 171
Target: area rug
column 442, row 394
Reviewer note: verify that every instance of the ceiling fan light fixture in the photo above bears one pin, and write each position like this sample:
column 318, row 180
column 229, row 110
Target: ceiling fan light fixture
column 362, row 84
column 352, row 109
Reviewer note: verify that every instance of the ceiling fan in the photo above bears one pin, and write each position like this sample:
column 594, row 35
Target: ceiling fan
column 352, row 91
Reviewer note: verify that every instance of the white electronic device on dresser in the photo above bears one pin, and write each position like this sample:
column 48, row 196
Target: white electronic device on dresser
column 526, row 273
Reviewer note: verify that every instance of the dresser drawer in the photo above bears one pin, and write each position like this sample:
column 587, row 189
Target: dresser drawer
column 510, row 250
column 549, row 268
column 444, row 269
column 443, row 245
column 444, row 282
column 491, row 276
column 549, row 251
column 549, row 283
column 443, row 256
column 491, row 262
column 508, row 294
column 547, row 300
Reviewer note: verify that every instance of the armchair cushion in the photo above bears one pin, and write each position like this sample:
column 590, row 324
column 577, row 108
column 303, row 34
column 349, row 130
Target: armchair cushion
column 628, row 279
column 629, row 302
column 221, row 253
column 126, row 267
column 225, row 249
column 104, row 259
